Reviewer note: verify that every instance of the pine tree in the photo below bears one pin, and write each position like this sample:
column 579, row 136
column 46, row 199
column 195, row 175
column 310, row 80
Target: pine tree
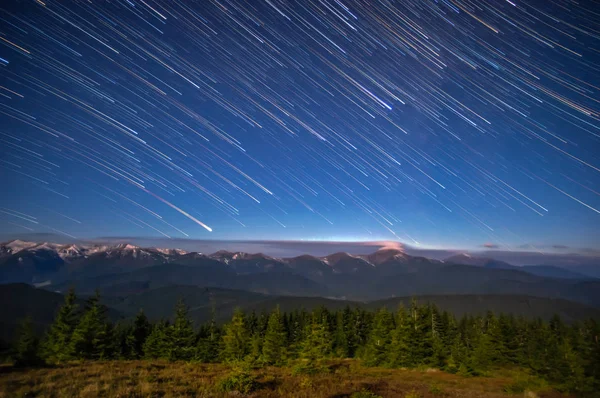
column 481, row 357
column 209, row 338
column 274, row 345
column 158, row 343
column 138, row 334
column 124, row 342
column 509, row 339
column 182, row 337
column 92, row 338
column 27, row 346
column 592, row 352
column 439, row 352
column 56, row 346
column 399, row 350
column 421, row 334
column 569, row 371
column 378, row 343
column 296, row 330
column 235, row 339
column 341, row 337
column 317, row 344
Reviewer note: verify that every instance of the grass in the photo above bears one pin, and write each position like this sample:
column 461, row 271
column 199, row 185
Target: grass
column 345, row 379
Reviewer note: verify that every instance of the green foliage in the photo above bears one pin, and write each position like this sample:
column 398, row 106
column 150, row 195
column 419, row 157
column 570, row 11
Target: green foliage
column 413, row 394
column 523, row 382
column 317, row 344
column 138, row 334
column 341, row 336
column 157, row 345
column 364, row 394
column 274, row 345
column 209, row 339
column 235, row 339
column 93, row 336
column 239, row 380
column 56, row 346
column 182, row 339
column 436, row 389
column 400, row 345
column 305, row 367
column 378, row 344
column 27, row 346
column 566, row 357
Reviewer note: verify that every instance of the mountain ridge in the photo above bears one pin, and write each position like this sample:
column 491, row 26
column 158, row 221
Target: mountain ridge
column 124, row 268
column 21, row 300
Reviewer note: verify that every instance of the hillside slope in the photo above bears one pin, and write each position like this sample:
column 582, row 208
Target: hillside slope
column 21, row 300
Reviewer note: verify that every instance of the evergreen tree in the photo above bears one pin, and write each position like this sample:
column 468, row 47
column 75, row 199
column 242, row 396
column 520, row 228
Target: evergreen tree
column 341, row 337
column 158, row 343
column 92, row 338
column 56, row 346
column 509, row 339
column 209, row 342
column 123, row 341
column 182, row 339
column 569, row 371
column 251, row 322
column 481, row 357
column 274, row 345
column 138, row 334
column 296, row 330
column 378, row 343
column 27, row 346
column 236, row 338
column 317, row 344
column 399, row 350
column 421, row 334
column 438, row 328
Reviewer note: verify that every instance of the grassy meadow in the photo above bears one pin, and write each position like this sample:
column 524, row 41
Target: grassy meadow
column 337, row 378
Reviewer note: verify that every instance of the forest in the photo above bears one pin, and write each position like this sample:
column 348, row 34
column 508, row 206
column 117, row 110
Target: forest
column 420, row 336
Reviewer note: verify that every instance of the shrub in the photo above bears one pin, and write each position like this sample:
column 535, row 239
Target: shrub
column 435, row 389
column 364, row 394
column 239, row 380
column 306, row 382
column 523, row 383
column 413, row 394
column 309, row 368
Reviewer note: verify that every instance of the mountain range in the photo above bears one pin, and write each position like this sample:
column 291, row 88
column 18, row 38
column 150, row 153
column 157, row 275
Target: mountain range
column 124, row 269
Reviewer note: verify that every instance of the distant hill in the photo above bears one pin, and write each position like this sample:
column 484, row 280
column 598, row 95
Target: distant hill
column 552, row 271
column 21, row 300
column 549, row 271
column 526, row 306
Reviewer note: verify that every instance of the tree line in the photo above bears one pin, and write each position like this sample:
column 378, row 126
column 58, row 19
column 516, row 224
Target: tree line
column 418, row 336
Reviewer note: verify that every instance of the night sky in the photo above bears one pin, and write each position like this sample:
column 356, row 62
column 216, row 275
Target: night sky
column 450, row 123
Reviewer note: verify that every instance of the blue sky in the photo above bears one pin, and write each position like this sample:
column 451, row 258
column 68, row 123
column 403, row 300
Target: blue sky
column 302, row 120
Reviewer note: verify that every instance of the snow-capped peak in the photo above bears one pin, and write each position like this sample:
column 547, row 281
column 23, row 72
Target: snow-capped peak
column 127, row 247
column 17, row 245
column 170, row 251
column 71, row 251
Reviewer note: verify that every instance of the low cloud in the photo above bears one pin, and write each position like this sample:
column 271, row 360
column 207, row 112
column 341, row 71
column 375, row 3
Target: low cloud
column 284, row 248
column 490, row 246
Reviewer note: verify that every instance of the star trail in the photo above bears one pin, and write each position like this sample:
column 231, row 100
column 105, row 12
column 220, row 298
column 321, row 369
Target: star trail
column 436, row 123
